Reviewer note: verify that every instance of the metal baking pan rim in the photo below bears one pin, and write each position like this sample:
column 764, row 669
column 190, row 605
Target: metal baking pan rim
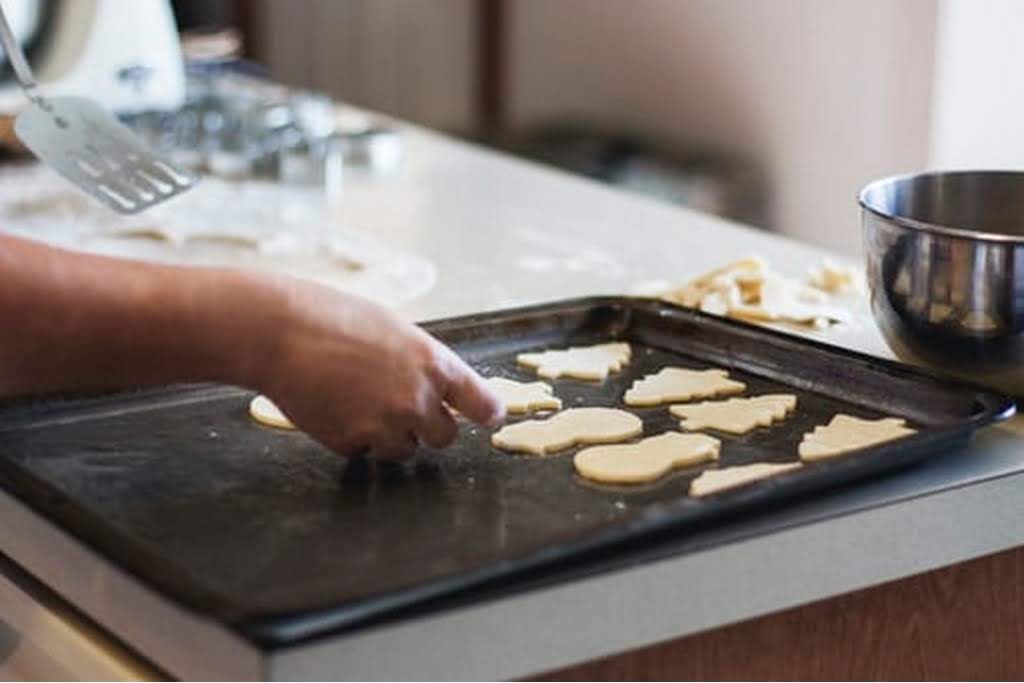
column 1000, row 406
column 281, row 629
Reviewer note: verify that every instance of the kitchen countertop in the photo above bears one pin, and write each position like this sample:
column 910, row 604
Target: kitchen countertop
column 505, row 232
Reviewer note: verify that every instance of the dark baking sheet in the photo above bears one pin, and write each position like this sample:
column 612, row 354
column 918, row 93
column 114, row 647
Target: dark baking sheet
column 270, row 533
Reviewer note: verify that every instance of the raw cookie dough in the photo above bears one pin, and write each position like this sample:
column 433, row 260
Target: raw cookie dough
column 713, row 481
column 566, row 429
column 780, row 299
column 735, row 415
column 670, row 385
column 716, row 281
column 848, row 433
column 749, row 290
column 263, row 410
column 581, row 362
column 647, row 460
column 833, row 278
column 524, row 397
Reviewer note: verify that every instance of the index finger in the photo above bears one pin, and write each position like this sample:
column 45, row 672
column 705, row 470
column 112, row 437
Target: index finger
column 468, row 393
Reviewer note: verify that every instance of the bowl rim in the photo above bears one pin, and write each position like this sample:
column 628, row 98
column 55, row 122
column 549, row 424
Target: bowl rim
column 925, row 226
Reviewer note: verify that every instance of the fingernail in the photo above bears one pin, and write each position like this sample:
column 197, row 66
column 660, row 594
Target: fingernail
column 497, row 417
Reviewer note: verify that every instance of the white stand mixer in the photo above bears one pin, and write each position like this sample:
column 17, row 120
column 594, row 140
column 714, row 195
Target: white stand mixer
column 123, row 53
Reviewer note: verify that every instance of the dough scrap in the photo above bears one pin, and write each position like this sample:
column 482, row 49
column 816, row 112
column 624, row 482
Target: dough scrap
column 780, row 299
column 647, row 460
column 265, row 411
column 524, row 397
column 671, row 385
column 713, row 481
column 735, row 415
column 692, row 293
column 581, row 362
column 566, row 429
column 833, row 278
column 749, row 290
column 845, row 433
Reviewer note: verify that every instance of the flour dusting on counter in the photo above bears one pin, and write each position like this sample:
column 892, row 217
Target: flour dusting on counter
column 244, row 224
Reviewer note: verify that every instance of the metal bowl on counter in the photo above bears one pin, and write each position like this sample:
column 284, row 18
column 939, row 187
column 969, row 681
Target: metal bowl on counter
column 945, row 266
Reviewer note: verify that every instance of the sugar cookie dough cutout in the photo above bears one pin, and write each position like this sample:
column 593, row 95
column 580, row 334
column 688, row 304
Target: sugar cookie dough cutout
column 672, row 385
column 566, row 429
column 647, row 460
column 524, row 397
column 735, row 415
column 580, row 362
column 714, row 481
column 845, row 433
column 265, row 411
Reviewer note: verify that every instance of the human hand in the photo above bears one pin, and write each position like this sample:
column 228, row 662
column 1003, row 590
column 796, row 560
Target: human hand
column 358, row 378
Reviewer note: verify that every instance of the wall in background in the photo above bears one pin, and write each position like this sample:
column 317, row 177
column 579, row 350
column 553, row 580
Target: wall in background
column 824, row 95
column 978, row 114
column 410, row 58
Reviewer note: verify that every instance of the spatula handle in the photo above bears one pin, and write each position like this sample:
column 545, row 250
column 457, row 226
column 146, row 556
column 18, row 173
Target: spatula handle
column 17, row 57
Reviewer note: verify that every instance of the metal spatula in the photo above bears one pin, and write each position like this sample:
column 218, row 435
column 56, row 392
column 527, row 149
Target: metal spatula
column 84, row 143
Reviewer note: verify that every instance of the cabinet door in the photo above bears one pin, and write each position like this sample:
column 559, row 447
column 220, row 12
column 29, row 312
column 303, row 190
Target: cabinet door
column 411, row 58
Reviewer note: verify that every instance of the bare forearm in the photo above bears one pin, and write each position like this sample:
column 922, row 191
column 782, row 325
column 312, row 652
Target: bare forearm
column 77, row 321
column 348, row 372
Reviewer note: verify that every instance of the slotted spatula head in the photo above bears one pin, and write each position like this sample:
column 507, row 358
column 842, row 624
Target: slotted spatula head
column 88, row 146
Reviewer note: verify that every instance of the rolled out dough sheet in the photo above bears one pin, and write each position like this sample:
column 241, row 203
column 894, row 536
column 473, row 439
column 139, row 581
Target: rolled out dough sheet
column 524, row 397
column 845, row 433
column 713, row 481
column 735, row 415
column 265, row 411
column 246, row 223
column 580, row 362
column 566, row 429
column 671, row 385
column 647, row 460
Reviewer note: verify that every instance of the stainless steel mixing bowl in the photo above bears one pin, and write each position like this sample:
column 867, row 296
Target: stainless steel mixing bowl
column 945, row 265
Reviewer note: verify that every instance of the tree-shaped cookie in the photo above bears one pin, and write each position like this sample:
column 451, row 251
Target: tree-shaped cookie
column 735, row 415
column 672, row 385
column 580, row 362
column 846, row 433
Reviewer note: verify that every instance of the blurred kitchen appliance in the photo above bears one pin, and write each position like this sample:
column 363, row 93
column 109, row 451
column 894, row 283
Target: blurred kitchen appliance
column 124, row 53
